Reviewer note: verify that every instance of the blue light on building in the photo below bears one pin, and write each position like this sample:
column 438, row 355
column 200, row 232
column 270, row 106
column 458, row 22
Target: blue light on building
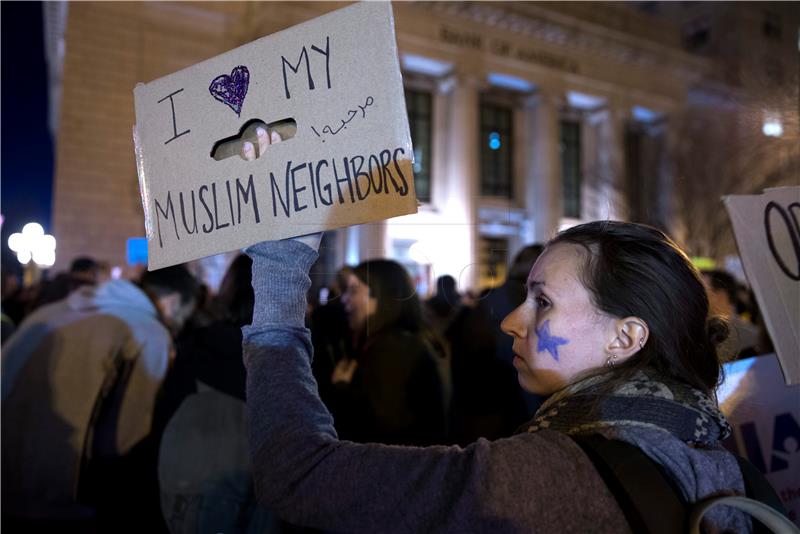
column 494, row 141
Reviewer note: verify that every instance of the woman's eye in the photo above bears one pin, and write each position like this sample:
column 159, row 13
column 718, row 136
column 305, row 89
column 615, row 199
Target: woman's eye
column 542, row 303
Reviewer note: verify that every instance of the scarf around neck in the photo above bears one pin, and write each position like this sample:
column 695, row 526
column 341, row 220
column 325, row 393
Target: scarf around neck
column 643, row 402
column 674, row 424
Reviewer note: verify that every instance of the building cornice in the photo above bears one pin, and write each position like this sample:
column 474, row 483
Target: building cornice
column 587, row 38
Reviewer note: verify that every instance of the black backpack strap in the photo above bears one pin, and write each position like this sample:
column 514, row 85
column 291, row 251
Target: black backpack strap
column 647, row 497
column 758, row 487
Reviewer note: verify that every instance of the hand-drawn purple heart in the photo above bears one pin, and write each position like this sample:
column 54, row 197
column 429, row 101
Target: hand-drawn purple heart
column 231, row 90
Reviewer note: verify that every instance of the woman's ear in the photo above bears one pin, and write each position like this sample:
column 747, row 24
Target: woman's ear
column 629, row 337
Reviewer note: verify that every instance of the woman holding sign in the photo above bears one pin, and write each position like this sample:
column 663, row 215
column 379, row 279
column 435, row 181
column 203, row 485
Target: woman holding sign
column 613, row 328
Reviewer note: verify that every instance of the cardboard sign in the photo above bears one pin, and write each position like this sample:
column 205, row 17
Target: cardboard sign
column 765, row 416
column 331, row 87
column 767, row 229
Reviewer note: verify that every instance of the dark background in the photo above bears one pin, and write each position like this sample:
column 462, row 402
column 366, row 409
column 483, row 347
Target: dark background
column 27, row 161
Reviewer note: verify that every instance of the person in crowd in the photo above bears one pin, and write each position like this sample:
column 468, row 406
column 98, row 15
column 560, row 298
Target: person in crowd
column 80, row 379
column 330, row 334
column 722, row 290
column 10, row 286
column 393, row 389
column 487, row 399
column 444, row 306
column 205, row 478
column 83, row 271
column 614, row 329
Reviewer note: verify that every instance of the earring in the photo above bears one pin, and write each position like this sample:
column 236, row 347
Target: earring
column 641, row 343
column 612, row 359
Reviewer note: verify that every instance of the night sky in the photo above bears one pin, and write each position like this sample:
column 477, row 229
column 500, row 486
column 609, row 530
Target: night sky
column 27, row 149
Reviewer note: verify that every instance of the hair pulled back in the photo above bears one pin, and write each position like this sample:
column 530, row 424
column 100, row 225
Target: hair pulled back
column 635, row 270
column 397, row 301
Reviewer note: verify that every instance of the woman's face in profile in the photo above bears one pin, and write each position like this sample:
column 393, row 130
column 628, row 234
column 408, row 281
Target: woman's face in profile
column 558, row 333
column 358, row 304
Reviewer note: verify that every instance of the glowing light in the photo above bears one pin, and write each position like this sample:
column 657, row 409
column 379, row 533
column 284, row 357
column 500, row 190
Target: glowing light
column 33, row 244
column 507, row 81
column 772, row 128
column 425, row 65
column 494, row 141
column 584, row 101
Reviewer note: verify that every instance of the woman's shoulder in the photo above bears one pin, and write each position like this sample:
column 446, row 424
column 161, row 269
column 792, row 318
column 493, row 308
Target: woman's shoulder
column 565, row 491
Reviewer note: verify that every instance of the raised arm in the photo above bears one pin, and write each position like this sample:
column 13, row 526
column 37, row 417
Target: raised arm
column 309, row 477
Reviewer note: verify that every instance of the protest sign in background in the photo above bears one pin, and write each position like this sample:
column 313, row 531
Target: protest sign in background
column 765, row 416
column 767, row 229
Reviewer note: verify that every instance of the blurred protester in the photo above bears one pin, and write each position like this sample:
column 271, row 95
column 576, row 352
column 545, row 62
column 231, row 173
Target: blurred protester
column 204, row 470
column 487, row 399
column 615, row 329
column 80, row 379
column 17, row 299
column 83, row 271
column 330, row 335
column 394, row 388
column 444, row 306
column 10, row 286
column 723, row 300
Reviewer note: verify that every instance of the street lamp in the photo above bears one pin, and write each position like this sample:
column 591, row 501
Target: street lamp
column 34, row 249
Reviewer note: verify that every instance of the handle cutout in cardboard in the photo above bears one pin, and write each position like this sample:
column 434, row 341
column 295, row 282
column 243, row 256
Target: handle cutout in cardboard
column 232, row 146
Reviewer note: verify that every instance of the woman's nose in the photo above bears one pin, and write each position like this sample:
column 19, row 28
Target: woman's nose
column 515, row 324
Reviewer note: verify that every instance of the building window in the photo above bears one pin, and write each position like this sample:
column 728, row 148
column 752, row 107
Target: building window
column 419, row 105
column 771, row 26
column 571, row 167
column 493, row 259
column 496, row 149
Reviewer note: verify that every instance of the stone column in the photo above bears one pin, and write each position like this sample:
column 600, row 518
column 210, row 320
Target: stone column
column 605, row 183
column 458, row 197
column 372, row 241
column 542, row 178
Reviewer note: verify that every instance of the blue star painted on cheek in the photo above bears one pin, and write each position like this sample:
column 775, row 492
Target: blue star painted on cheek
column 548, row 342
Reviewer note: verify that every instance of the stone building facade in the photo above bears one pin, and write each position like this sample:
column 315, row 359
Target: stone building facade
column 525, row 117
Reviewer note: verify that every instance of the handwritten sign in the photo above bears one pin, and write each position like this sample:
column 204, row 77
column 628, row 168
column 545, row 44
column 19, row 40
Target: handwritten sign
column 331, row 87
column 765, row 416
column 767, row 229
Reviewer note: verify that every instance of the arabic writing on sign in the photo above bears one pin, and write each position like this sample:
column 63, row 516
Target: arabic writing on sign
column 351, row 114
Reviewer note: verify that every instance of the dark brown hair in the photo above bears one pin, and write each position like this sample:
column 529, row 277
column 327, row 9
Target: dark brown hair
column 397, row 300
column 635, row 270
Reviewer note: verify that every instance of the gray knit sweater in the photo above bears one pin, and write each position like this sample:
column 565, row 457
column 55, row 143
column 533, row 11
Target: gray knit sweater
column 538, row 482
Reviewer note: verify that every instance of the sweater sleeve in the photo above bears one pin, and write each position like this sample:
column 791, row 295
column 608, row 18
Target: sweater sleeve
column 531, row 482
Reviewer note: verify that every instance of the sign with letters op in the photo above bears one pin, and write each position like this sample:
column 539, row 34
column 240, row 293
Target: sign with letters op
column 767, row 229
column 331, row 87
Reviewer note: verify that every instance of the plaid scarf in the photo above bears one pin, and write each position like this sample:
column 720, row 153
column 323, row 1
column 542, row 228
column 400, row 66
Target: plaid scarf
column 643, row 402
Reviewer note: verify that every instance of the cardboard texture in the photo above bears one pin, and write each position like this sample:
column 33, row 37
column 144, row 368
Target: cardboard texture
column 331, row 87
column 767, row 229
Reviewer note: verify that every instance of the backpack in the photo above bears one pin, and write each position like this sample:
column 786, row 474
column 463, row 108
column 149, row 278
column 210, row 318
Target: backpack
column 653, row 504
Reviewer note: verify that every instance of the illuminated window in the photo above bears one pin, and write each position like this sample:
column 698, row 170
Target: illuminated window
column 571, row 178
column 496, row 149
column 419, row 105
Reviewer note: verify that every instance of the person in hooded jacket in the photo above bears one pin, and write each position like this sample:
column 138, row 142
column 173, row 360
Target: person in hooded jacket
column 80, row 380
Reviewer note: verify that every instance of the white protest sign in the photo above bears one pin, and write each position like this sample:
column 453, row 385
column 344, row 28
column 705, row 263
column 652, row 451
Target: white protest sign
column 767, row 229
column 330, row 86
column 765, row 416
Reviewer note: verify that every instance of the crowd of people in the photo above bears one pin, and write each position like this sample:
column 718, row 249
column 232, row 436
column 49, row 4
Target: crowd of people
column 126, row 403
